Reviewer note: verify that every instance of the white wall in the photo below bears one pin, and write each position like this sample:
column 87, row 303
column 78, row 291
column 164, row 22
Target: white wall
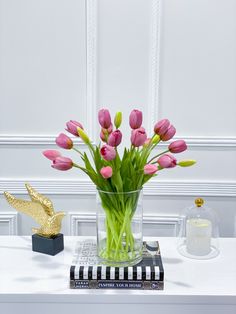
column 62, row 60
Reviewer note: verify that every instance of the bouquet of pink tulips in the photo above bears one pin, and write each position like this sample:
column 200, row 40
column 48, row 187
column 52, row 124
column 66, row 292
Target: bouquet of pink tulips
column 112, row 172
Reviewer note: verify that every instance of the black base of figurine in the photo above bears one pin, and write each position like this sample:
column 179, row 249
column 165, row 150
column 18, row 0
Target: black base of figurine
column 50, row 246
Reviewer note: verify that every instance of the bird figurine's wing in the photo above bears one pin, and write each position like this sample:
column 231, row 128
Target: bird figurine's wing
column 54, row 222
column 33, row 209
column 57, row 218
column 43, row 200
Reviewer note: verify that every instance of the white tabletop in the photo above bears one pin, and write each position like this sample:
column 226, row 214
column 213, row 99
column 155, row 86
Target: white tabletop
column 27, row 276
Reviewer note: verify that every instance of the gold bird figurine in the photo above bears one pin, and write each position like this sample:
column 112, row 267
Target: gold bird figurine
column 40, row 209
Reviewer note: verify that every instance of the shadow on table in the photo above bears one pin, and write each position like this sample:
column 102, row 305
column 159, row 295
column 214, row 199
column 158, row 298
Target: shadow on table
column 34, row 279
column 174, row 260
column 179, row 283
column 46, row 261
column 26, row 248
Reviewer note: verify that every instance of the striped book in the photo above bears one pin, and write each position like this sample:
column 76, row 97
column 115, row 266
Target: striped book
column 87, row 273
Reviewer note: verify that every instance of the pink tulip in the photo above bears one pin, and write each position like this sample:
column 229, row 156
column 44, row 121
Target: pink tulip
column 168, row 134
column 109, row 130
column 115, row 138
column 108, row 152
column 177, row 146
column 103, row 136
column 104, row 118
column 62, row 163
column 138, row 137
column 162, row 126
column 106, row 172
column 64, row 141
column 167, row 161
column 51, row 154
column 72, row 127
column 150, row 169
column 135, row 119
column 147, row 142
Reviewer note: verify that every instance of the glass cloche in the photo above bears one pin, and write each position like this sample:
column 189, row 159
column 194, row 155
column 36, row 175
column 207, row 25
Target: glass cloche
column 199, row 232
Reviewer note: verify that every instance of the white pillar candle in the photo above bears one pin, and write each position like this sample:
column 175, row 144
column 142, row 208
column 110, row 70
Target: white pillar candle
column 198, row 236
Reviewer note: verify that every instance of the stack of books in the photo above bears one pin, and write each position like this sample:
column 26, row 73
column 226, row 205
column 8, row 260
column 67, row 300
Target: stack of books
column 87, row 273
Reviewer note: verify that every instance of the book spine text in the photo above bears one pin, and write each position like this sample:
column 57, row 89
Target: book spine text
column 117, row 284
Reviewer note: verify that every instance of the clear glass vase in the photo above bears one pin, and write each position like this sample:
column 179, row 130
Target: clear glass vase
column 119, row 227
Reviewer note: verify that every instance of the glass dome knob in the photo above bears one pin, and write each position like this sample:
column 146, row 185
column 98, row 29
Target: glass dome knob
column 199, row 202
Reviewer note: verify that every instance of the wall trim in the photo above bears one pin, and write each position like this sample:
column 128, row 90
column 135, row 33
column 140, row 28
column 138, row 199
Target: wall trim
column 152, row 108
column 11, row 219
column 33, row 140
column 49, row 140
column 91, row 89
column 75, row 218
column 154, row 187
column 154, row 87
column 206, row 142
column 91, row 80
column 170, row 220
column 82, row 217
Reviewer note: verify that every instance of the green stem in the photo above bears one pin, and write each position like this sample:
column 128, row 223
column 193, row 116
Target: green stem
column 75, row 149
column 112, row 227
column 122, row 231
column 81, row 168
column 166, row 151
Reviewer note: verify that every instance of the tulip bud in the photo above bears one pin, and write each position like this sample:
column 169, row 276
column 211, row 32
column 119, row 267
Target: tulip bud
column 150, row 169
column 108, row 152
column 135, row 119
column 83, row 136
column 72, row 127
column 156, row 139
column 51, row 154
column 115, row 138
column 177, row 146
column 62, row 163
column 167, row 161
column 147, row 142
column 168, row 134
column 64, row 141
column 138, row 137
column 109, row 130
column 161, row 127
column 104, row 118
column 118, row 119
column 106, row 172
column 186, row 163
column 103, row 137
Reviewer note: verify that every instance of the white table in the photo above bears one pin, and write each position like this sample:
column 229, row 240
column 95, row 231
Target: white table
column 36, row 283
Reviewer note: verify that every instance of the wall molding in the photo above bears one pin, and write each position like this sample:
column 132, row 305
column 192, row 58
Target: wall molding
column 75, row 218
column 206, row 142
column 152, row 108
column 49, row 140
column 33, row 140
column 91, row 91
column 154, row 87
column 91, row 80
column 11, row 219
column 163, row 221
column 152, row 188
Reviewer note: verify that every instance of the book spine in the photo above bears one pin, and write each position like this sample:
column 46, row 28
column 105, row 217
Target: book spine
column 117, row 284
column 134, row 273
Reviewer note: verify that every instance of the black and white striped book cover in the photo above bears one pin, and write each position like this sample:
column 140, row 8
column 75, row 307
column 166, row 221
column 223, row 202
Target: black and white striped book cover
column 86, row 272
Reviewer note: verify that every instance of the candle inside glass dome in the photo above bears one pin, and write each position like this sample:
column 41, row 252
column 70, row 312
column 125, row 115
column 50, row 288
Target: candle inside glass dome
column 198, row 236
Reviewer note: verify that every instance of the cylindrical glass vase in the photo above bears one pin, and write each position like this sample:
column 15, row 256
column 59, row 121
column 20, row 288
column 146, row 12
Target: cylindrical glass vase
column 119, row 227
